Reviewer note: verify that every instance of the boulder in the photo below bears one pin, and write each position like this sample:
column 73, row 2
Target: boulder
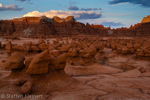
column 34, row 48
column 26, row 88
column 142, row 69
column 15, row 61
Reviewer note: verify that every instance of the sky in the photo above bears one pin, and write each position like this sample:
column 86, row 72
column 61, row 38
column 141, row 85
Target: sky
column 114, row 13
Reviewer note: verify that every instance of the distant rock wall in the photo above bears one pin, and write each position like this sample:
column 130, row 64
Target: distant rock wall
column 43, row 26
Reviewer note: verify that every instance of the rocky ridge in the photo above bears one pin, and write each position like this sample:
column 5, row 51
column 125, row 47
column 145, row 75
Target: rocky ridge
column 36, row 27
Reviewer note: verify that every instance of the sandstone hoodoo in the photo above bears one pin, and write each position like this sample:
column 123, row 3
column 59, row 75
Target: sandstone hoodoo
column 39, row 64
column 8, row 48
column 15, row 61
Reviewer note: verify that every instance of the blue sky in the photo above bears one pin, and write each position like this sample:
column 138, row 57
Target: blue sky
column 116, row 13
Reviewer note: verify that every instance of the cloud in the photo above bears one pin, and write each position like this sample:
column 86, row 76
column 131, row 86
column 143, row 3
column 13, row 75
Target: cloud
column 111, row 24
column 22, row 0
column 73, row 8
column 63, row 14
column 144, row 3
column 72, row 3
column 10, row 7
column 90, row 9
column 83, row 9
column 28, row 1
column 117, row 14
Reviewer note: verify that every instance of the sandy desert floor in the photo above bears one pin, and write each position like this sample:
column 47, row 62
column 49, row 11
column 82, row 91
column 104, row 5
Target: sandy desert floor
column 97, row 81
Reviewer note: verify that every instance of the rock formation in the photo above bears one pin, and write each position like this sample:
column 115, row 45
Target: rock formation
column 146, row 19
column 42, row 26
column 15, row 61
column 8, row 48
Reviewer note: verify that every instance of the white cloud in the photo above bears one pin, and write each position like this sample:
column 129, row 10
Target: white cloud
column 63, row 14
column 1, row 5
column 10, row 7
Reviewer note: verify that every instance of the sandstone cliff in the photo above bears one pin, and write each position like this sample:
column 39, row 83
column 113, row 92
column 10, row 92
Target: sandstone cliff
column 146, row 19
column 43, row 26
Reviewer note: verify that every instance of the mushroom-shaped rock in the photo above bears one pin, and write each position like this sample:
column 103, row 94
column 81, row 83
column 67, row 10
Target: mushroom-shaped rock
column 113, row 46
column 72, row 52
column 92, row 50
column 129, row 45
column 39, row 64
column 27, row 44
column 8, row 46
column 80, row 53
column 27, row 48
column 55, row 53
column 27, row 62
column 73, row 44
column 15, row 61
column 146, row 51
column 88, row 44
column 26, row 88
column 80, row 45
column 87, row 55
column 43, row 46
column 137, row 46
column 58, row 63
column 34, row 48
column 125, row 50
column 65, row 48
column 41, row 41
column 82, row 63
column 100, row 47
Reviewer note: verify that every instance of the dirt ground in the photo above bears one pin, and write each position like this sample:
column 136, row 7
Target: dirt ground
column 107, row 81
